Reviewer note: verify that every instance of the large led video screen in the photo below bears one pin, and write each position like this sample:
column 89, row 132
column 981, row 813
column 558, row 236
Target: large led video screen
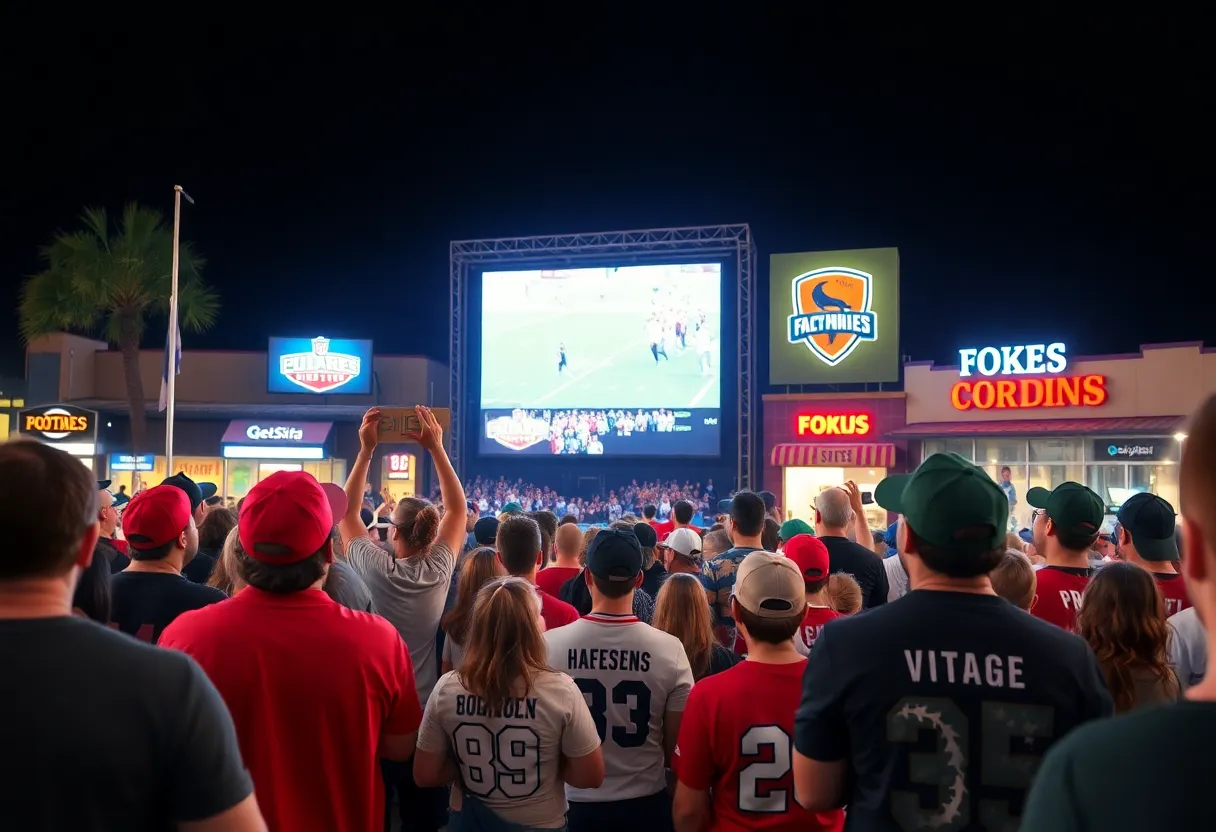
column 622, row 361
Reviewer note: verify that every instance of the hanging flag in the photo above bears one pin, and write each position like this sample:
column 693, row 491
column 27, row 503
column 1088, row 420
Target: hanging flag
column 177, row 365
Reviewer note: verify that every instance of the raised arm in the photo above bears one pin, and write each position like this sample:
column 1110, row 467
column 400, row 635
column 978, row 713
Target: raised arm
column 350, row 526
column 430, row 437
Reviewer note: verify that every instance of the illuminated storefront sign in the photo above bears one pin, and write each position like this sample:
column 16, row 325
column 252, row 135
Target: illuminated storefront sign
column 143, row 463
column 71, row 429
column 1023, row 393
column 398, row 466
column 1023, row 360
column 275, row 440
column 833, row 424
column 319, row 365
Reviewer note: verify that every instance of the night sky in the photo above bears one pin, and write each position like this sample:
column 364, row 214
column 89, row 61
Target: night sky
column 1044, row 179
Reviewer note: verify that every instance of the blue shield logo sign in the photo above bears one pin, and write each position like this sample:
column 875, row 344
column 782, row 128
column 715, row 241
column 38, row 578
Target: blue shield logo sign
column 832, row 313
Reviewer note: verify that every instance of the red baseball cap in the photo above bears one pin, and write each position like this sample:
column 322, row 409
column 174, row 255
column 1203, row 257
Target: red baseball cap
column 809, row 554
column 285, row 518
column 156, row 516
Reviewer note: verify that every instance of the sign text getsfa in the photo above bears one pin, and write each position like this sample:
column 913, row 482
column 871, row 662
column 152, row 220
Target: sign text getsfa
column 1023, row 393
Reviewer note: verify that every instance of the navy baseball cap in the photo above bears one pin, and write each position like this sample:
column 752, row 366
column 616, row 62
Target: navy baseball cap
column 192, row 489
column 615, row 555
column 1151, row 522
column 646, row 535
column 485, row 531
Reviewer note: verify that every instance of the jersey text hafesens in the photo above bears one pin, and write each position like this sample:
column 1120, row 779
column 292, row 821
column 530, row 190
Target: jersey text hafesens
column 602, row 659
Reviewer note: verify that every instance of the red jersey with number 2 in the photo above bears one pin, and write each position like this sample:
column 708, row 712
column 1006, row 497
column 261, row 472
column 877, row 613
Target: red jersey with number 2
column 740, row 747
column 1060, row 589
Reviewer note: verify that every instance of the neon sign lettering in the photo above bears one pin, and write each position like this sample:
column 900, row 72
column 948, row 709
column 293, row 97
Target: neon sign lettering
column 1024, row 393
column 1021, row 360
column 823, row 424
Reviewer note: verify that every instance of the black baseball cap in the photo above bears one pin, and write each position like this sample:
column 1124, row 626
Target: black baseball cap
column 615, row 555
column 724, row 506
column 646, row 535
column 485, row 531
column 192, row 489
column 1071, row 506
column 102, row 485
column 1151, row 522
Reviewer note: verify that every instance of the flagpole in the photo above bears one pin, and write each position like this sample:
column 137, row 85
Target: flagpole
column 171, row 370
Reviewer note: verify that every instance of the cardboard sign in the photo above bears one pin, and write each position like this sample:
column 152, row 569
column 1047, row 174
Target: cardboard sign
column 397, row 423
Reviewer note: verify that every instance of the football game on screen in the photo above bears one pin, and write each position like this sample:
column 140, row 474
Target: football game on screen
column 618, row 360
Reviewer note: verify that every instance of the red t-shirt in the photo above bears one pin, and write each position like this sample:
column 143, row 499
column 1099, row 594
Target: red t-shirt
column 550, row 580
column 1060, row 589
column 556, row 612
column 311, row 686
column 740, row 746
column 812, row 625
column 1174, row 590
column 661, row 530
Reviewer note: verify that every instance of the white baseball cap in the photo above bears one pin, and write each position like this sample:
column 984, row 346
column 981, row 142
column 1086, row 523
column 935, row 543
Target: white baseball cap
column 684, row 542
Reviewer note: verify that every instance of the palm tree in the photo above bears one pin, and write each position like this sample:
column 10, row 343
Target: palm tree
column 97, row 281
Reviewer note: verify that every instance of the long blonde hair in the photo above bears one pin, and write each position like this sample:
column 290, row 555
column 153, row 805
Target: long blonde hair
column 224, row 576
column 504, row 648
column 481, row 567
column 681, row 611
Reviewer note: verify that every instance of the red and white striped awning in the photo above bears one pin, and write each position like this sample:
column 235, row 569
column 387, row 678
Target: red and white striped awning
column 797, row 455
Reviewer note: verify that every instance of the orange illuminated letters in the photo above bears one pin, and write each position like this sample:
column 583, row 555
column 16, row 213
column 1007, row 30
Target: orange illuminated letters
column 1025, row 393
column 822, row 424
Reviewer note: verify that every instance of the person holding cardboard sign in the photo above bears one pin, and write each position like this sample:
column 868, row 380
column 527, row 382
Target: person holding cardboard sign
column 409, row 586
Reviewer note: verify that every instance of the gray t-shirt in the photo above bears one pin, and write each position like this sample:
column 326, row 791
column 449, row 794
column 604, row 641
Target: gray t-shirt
column 344, row 585
column 410, row 593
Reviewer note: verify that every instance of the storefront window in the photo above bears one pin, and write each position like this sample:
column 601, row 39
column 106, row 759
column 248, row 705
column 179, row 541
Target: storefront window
column 993, row 450
column 962, row 447
column 242, row 476
column 1109, row 482
column 1045, row 476
column 1160, row 479
column 1056, row 450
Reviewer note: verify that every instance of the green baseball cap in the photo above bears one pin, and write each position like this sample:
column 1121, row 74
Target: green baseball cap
column 790, row 528
column 512, row 508
column 1071, row 506
column 944, row 494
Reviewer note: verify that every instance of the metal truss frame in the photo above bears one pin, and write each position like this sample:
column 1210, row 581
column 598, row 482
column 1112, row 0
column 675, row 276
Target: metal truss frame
column 574, row 250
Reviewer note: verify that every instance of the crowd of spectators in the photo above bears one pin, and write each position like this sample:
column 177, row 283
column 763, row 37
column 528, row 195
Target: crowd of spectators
column 492, row 496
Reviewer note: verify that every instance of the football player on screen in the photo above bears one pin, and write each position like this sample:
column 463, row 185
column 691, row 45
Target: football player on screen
column 561, row 358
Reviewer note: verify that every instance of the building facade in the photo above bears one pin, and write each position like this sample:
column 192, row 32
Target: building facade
column 1115, row 423
column 228, row 427
column 817, row 441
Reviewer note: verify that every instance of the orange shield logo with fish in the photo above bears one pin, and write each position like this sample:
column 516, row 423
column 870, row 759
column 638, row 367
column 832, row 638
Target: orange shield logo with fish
column 832, row 312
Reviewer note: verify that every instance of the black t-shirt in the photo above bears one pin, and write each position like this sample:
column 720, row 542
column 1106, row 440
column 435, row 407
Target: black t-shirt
column 866, row 568
column 720, row 658
column 117, row 560
column 1080, row 784
column 145, row 603
column 652, row 578
column 200, row 567
column 106, row 733
column 943, row 704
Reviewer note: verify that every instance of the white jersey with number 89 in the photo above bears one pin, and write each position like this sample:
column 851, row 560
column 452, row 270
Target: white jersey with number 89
column 631, row 675
column 509, row 754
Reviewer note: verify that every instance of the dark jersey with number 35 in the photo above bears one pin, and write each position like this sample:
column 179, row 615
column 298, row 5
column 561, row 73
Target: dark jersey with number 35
column 943, row 705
